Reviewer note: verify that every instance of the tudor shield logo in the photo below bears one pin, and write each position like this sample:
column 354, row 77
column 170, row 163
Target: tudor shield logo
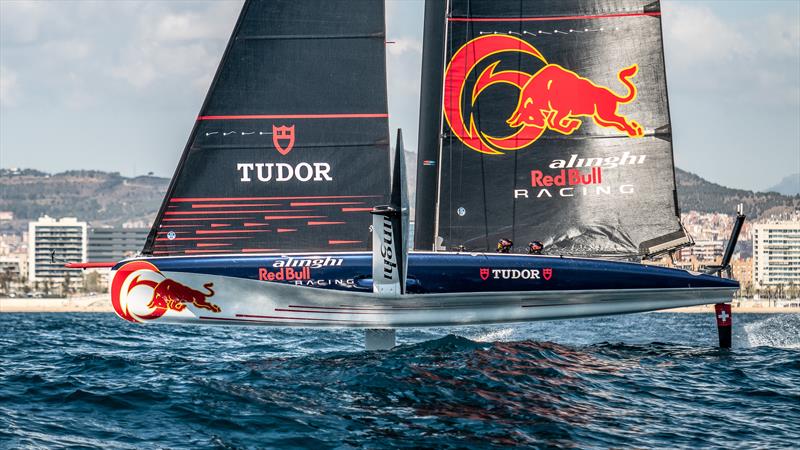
column 484, row 273
column 547, row 273
column 283, row 138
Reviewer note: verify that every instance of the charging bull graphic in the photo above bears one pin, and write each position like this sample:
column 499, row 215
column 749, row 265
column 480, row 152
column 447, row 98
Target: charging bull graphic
column 140, row 292
column 553, row 98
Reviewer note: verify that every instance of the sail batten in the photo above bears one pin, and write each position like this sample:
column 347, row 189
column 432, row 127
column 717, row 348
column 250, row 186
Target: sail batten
column 556, row 129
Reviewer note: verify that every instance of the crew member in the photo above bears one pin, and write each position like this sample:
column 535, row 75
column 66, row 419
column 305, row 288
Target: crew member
column 535, row 248
column 504, row 246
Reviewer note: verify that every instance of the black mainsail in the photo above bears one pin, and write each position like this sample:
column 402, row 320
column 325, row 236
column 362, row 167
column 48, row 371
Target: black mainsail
column 290, row 150
column 556, row 128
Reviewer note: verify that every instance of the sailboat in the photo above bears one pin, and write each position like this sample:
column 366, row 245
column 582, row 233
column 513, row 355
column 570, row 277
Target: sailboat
column 540, row 121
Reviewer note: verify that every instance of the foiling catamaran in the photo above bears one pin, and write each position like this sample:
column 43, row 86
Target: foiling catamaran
column 539, row 121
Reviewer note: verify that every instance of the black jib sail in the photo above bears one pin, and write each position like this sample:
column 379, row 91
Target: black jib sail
column 556, row 129
column 290, row 150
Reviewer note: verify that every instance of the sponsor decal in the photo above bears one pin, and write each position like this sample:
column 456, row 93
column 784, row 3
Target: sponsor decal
column 609, row 162
column 281, row 172
column 572, row 182
column 140, row 292
column 515, row 274
column 314, row 263
column 281, row 134
column 554, row 98
column 284, row 274
column 348, row 283
column 569, row 177
column 387, row 249
column 578, row 191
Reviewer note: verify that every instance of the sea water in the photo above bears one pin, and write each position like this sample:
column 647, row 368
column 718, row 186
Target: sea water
column 647, row 380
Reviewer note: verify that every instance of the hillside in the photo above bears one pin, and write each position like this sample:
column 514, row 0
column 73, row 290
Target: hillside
column 695, row 193
column 103, row 198
column 100, row 198
column 789, row 185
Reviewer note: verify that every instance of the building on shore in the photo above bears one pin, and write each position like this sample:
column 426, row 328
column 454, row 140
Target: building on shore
column 65, row 239
column 704, row 251
column 776, row 254
column 115, row 244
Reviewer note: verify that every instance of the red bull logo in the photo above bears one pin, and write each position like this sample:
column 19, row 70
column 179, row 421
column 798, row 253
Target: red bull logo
column 554, row 98
column 284, row 274
column 140, row 292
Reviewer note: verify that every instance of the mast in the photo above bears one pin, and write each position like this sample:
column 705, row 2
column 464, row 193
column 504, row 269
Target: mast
column 430, row 116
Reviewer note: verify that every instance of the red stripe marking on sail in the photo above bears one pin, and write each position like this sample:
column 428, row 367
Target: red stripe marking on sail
column 176, row 232
column 187, row 225
column 286, row 230
column 258, row 250
column 355, row 209
column 232, row 205
column 243, row 211
column 189, row 219
column 234, row 199
column 547, row 19
column 292, row 217
column 230, row 231
column 323, row 203
column 200, row 238
column 205, row 244
column 343, row 242
column 255, row 224
column 218, row 225
column 189, row 252
column 295, row 116
column 312, row 223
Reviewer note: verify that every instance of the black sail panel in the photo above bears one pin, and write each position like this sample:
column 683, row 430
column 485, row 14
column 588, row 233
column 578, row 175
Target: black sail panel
column 557, row 128
column 290, row 151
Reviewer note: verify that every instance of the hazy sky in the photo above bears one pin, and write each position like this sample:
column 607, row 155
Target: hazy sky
column 117, row 85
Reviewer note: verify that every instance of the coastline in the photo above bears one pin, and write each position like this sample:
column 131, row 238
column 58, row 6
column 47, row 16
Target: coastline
column 102, row 303
column 95, row 303
column 739, row 307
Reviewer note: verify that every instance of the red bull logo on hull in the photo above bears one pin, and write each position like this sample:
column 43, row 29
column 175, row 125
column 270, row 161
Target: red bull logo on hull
column 140, row 292
column 554, row 98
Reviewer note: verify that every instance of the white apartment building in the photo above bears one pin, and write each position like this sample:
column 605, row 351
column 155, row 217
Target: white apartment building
column 776, row 253
column 67, row 237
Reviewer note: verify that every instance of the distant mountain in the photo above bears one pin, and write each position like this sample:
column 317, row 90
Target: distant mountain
column 695, row 193
column 101, row 198
column 790, row 185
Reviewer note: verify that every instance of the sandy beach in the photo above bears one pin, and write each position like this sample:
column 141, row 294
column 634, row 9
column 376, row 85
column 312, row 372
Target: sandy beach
column 102, row 303
column 96, row 303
